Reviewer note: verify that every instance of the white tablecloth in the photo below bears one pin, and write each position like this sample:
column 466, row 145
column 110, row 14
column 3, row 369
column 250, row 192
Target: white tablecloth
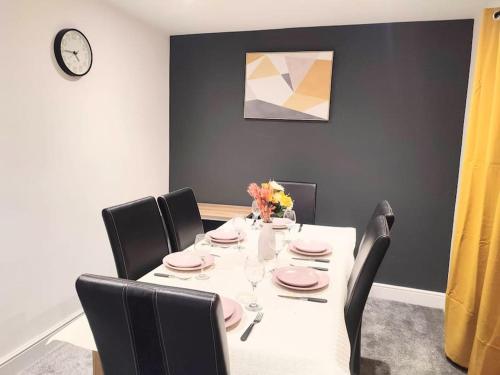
column 294, row 337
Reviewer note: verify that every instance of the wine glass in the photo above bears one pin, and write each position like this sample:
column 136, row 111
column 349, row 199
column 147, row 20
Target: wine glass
column 255, row 213
column 280, row 244
column 292, row 218
column 199, row 242
column 255, row 270
column 239, row 224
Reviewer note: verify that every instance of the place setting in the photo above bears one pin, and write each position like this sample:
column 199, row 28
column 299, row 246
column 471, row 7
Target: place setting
column 310, row 248
column 189, row 262
column 280, row 223
column 193, row 260
column 287, row 222
column 234, row 235
column 232, row 311
column 300, row 278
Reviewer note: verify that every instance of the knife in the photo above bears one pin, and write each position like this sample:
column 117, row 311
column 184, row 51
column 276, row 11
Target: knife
column 319, row 268
column 172, row 276
column 300, row 228
column 316, row 268
column 310, row 299
column 314, row 260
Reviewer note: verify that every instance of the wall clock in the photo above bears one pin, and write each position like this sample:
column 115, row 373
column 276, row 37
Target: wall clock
column 73, row 52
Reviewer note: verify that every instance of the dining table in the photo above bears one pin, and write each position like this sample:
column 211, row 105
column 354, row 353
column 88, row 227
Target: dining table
column 294, row 336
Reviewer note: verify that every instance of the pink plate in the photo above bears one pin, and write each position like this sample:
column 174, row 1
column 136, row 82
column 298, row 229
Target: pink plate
column 228, row 307
column 323, row 281
column 183, row 260
column 297, row 276
column 209, row 260
column 310, row 246
column 236, row 317
column 223, row 235
column 226, row 241
column 308, row 254
column 279, row 222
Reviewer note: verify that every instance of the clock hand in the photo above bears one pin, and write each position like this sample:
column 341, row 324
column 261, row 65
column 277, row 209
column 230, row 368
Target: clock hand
column 67, row 50
column 76, row 55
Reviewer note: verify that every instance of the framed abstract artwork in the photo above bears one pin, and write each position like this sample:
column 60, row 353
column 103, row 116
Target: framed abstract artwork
column 288, row 85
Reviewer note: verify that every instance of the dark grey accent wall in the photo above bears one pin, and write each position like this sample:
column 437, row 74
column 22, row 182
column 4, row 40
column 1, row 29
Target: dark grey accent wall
column 397, row 111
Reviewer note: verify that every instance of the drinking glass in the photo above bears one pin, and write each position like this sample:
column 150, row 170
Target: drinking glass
column 255, row 213
column 280, row 244
column 239, row 224
column 199, row 243
column 290, row 215
column 255, row 270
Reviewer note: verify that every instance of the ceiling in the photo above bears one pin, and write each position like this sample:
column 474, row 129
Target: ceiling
column 202, row 16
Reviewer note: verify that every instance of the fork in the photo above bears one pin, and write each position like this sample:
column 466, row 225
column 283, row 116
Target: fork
column 321, row 260
column 257, row 319
column 173, row 276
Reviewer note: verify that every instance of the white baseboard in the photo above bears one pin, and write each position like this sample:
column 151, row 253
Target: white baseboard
column 408, row 295
column 26, row 354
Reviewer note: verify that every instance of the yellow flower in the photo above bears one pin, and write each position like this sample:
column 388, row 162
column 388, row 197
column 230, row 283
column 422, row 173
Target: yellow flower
column 276, row 198
column 285, row 200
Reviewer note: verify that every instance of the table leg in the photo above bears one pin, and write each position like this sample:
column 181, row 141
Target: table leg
column 96, row 364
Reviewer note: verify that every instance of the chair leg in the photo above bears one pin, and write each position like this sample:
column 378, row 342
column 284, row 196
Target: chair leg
column 355, row 364
column 96, row 364
column 357, row 353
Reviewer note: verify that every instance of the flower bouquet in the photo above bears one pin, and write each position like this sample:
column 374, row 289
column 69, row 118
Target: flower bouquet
column 271, row 199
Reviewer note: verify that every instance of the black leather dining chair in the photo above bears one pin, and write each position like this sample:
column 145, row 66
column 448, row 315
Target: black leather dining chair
column 137, row 236
column 152, row 329
column 304, row 200
column 371, row 252
column 182, row 217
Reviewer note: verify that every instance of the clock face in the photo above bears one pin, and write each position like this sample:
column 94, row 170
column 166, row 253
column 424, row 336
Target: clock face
column 73, row 52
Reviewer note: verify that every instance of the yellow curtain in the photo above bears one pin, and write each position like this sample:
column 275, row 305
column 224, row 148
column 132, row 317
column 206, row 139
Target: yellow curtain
column 472, row 316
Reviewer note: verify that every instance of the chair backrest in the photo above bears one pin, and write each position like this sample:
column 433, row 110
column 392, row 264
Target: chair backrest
column 137, row 236
column 384, row 208
column 151, row 329
column 182, row 217
column 304, row 200
column 370, row 255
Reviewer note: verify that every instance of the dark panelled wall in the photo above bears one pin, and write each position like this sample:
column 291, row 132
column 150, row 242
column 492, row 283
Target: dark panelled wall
column 396, row 120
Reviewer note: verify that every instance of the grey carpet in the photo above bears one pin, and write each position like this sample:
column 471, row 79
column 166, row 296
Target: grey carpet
column 397, row 338
column 62, row 359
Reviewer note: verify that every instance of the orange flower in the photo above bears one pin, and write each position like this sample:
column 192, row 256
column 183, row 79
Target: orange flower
column 263, row 195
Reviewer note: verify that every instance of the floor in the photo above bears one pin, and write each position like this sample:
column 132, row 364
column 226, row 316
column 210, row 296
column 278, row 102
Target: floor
column 397, row 339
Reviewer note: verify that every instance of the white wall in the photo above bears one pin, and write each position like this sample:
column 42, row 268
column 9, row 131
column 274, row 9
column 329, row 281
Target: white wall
column 69, row 148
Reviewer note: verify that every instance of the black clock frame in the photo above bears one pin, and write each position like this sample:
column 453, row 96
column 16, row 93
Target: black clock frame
column 58, row 54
